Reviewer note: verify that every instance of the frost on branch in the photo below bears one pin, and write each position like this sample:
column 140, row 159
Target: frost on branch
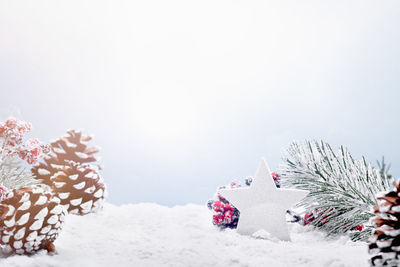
column 13, row 151
column 342, row 189
column 13, row 176
column 73, row 173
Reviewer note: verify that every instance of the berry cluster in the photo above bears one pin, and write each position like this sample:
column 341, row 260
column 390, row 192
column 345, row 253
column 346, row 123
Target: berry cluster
column 225, row 214
column 33, row 150
column 12, row 132
column 322, row 216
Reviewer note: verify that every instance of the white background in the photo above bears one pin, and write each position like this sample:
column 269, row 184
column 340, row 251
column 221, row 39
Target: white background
column 184, row 96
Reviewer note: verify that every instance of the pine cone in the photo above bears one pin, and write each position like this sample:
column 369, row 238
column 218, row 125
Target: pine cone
column 385, row 239
column 30, row 220
column 71, row 174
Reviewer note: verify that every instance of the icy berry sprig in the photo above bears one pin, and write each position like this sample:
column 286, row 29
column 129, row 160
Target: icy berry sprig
column 12, row 133
column 310, row 217
column 225, row 215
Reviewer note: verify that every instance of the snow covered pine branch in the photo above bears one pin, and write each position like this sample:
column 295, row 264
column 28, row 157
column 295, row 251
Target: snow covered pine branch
column 342, row 189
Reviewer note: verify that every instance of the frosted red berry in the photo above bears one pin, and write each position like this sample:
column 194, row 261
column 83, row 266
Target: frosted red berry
column 228, row 216
column 218, row 206
column 308, row 218
column 359, row 227
column 228, row 207
column 275, row 176
column 218, row 218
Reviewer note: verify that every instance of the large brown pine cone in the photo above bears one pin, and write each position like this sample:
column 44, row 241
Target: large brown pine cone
column 30, row 219
column 71, row 174
column 385, row 239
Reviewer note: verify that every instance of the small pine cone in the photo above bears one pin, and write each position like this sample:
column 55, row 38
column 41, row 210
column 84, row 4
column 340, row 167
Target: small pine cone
column 71, row 174
column 385, row 239
column 30, row 220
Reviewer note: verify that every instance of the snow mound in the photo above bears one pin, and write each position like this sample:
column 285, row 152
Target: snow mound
column 153, row 235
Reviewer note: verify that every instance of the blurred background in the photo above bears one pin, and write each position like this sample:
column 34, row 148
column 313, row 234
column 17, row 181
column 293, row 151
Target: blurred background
column 185, row 96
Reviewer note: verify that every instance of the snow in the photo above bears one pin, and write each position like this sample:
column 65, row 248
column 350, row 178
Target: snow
column 153, row 235
column 43, row 172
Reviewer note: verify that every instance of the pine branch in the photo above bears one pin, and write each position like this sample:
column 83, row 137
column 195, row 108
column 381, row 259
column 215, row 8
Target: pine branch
column 14, row 176
column 341, row 189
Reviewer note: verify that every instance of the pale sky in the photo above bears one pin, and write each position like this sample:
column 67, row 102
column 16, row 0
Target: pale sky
column 185, row 96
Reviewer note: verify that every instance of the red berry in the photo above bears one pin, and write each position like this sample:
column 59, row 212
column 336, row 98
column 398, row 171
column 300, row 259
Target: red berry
column 325, row 214
column 308, row 218
column 359, row 227
column 228, row 216
column 35, row 152
column 218, row 218
column 11, row 122
column 218, row 206
column 228, row 207
column 275, row 176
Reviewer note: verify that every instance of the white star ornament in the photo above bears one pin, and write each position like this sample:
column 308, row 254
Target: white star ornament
column 262, row 205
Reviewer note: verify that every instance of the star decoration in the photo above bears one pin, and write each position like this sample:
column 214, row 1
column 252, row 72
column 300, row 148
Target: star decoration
column 262, row 205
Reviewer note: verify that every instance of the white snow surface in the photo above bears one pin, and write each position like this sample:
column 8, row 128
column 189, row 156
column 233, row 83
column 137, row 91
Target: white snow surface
column 153, row 235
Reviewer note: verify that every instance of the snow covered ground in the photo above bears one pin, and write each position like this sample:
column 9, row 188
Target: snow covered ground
column 153, row 235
